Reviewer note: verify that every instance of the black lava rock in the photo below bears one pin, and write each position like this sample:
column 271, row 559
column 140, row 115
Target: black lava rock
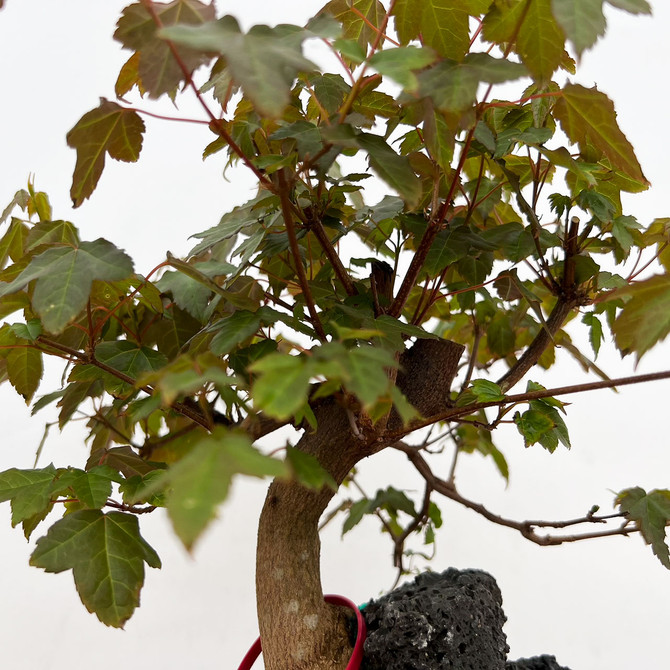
column 543, row 662
column 448, row 620
column 443, row 620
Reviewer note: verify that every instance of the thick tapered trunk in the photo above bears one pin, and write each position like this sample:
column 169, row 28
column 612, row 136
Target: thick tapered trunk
column 298, row 630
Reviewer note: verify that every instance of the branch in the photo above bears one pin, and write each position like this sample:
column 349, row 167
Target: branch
column 529, row 358
column 334, row 258
column 434, row 227
column 455, row 413
column 295, row 250
column 526, row 528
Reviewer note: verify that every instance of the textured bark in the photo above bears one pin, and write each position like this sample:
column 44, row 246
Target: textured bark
column 298, row 630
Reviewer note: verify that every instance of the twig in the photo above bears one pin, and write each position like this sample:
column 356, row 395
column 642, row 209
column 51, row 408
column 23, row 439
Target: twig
column 92, row 360
column 415, row 524
column 215, row 121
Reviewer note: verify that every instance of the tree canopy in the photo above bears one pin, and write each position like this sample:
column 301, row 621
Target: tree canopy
column 402, row 322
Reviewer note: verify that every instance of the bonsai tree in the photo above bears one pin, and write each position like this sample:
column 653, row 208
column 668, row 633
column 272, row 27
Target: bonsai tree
column 411, row 321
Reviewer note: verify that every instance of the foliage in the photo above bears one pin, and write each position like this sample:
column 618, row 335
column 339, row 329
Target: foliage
column 506, row 214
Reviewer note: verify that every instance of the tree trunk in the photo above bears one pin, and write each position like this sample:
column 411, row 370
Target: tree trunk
column 299, row 631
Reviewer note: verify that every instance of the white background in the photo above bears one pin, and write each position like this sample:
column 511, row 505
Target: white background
column 596, row 606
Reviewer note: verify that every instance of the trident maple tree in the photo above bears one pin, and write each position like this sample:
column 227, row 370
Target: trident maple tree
column 394, row 324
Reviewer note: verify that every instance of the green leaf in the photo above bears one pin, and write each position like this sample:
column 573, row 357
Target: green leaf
column 307, row 470
column 515, row 241
column 595, row 331
column 587, row 117
column 500, row 335
column 264, row 62
column 400, row 64
column 453, row 86
column 233, row 330
column 27, row 331
column 28, row 490
column 106, row 554
column 91, row 488
column 157, row 70
column 393, row 501
column 52, row 232
column 238, row 220
column 21, row 199
column 559, row 433
column 601, row 206
column 632, row 6
column 395, row 170
column 200, row 481
column 645, row 318
column 622, row 228
column 124, row 460
column 356, row 513
column 367, row 367
column 189, row 294
column 13, row 243
column 651, row 513
column 306, row 135
column 533, row 424
column 281, row 387
column 486, row 391
column 449, row 246
column 404, row 408
column 127, row 357
column 64, row 278
column 133, row 490
column 108, row 129
column 582, row 21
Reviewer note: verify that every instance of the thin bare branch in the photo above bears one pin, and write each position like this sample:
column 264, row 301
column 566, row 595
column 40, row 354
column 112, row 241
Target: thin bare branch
column 528, row 529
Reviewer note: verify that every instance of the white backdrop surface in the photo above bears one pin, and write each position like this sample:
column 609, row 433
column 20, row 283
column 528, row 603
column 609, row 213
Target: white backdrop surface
column 597, row 606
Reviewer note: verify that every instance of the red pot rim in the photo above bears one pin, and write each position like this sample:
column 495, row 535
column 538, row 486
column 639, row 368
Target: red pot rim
column 356, row 656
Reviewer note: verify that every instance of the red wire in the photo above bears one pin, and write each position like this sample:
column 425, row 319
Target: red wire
column 357, row 655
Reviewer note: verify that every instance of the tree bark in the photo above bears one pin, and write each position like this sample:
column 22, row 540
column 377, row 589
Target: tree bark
column 299, row 631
